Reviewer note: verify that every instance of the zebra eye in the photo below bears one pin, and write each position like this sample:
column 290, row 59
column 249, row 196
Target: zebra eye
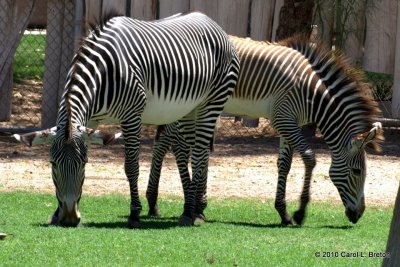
column 356, row 172
column 53, row 164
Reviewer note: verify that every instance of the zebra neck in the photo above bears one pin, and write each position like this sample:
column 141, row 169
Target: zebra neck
column 68, row 119
column 78, row 108
column 338, row 136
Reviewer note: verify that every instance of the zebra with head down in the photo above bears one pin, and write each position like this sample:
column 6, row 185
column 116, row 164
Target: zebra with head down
column 132, row 72
column 295, row 83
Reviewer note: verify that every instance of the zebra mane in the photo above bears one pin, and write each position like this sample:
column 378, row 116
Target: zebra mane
column 354, row 79
column 68, row 128
column 97, row 25
column 93, row 29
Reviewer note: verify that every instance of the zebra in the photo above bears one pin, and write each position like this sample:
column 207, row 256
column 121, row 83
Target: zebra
column 131, row 72
column 294, row 83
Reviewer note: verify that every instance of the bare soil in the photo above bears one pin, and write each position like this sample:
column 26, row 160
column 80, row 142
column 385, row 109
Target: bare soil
column 26, row 104
column 241, row 166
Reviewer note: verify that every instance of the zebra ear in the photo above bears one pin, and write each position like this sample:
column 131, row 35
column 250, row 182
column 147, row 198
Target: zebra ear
column 37, row 138
column 374, row 134
column 368, row 139
column 92, row 136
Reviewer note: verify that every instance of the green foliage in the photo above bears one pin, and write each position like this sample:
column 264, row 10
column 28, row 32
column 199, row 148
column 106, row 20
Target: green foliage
column 382, row 85
column 238, row 233
column 29, row 58
column 337, row 20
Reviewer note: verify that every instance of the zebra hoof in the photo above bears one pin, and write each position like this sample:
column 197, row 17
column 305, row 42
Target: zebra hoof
column 133, row 224
column 199, row 219
column 298, row 216
column 287, row 220
column 185, row 221
column 154, row 212
column 133, row 220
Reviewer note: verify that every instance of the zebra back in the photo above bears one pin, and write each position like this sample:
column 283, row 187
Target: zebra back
column 320, row 82
column 174, row 61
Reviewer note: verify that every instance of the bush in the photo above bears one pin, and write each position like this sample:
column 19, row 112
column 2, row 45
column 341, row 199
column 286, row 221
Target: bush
column 381, row 85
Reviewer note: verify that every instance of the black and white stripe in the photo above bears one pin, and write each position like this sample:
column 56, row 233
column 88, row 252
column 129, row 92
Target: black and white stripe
column 295, row 83
column 132, row 72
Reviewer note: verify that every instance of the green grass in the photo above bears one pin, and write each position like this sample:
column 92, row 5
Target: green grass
column 238, row 233
column 29, row 58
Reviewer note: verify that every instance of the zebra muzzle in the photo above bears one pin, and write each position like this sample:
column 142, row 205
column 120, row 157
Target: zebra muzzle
column 355, row 214
column 70, row 215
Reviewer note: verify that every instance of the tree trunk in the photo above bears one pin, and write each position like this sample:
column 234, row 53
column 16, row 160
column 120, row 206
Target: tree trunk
column 295, row 17
column 396, row 76
column 393, row 244
column 15, row 17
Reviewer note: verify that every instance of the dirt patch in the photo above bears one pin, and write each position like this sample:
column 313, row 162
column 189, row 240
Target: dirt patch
column 239, row 167
column 26, row 104
column 243, row 164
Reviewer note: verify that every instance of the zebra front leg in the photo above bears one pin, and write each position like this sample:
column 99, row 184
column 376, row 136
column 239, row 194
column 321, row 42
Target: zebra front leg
column 181, row 151
column 131, row 133
column 160, row 149
column 201, row 196
column 309, row 162
column 284, row 163
column 195, row 192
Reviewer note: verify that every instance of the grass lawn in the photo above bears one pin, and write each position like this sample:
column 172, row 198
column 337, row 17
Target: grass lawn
column 29, row 58
column 238, row 233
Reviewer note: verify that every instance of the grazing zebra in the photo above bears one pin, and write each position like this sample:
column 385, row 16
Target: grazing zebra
column 132, row 72
column 295, row 83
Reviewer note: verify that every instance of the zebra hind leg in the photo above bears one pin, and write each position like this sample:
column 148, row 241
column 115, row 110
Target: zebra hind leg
column 182, row 152
column 309, row 162
column 160, row 149
column 201, row 198
column 284, row 164
column 193, row 209
column 131, row 131
column 291, row 132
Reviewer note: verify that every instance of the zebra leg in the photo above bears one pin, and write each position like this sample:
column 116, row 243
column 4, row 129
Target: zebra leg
column 160, row 149
column 201, row 196
column 309, row 162
column 292, row 133
column 181, row 151
column 131, row 131
column 284, row 164
column 193, row 210
column 201, row 200
column 198, row 138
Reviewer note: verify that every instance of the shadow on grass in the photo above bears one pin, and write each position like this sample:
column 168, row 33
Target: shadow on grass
column 146, row 223
column 278, row 225
column 248, row 224
column 163, row 223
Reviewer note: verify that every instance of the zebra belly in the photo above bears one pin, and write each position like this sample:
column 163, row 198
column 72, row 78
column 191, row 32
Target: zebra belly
column 251, row 108
column 164, row 112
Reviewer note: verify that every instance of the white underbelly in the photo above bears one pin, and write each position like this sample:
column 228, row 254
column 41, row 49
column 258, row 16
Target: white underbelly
column 251, row 108
column 163, row 112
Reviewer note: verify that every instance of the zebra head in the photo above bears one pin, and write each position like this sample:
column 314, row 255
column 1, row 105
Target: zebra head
column 348, row 174
column 68, row 156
